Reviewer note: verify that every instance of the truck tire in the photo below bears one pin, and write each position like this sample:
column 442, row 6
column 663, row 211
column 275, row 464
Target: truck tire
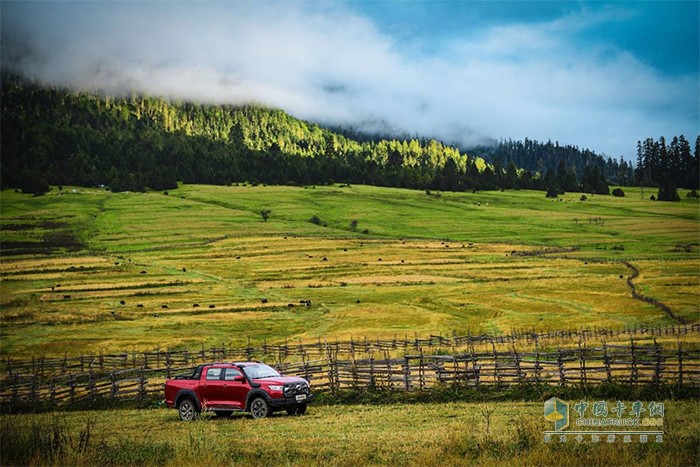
column 186, row 409
column 299, row 409
column 259, row 408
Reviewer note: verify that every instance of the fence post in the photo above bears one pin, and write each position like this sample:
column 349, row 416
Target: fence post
column 421, row 371
column 495, row 365
column 113, row 389
column 582, row 363
column 71, row 382
column 606, row 359
column 406, row 373
column 657, row 368
column 142, row 385
column 518, row 370
column 538, row 367
column 52, row 390
column 560, row 364
column 633, row 371
column 680, row 363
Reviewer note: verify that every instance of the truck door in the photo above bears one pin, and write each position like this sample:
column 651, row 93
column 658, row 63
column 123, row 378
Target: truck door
column 235, row 388
column 211, row 387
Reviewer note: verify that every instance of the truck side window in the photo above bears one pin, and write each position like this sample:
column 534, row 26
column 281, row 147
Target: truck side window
column 230, row 374
column 213, row 374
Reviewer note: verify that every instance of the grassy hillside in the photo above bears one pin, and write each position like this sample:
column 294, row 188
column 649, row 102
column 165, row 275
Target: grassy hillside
column 416, row 263
column 448, row 434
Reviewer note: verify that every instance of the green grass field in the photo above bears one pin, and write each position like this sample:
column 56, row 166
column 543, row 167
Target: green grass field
column 415, row 434
column 196, row 266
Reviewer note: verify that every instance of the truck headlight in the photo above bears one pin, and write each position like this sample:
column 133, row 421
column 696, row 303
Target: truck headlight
column 276, row 388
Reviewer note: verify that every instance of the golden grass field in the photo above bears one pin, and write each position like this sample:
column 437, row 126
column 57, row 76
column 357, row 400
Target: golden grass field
column 416, row 434
column 90, row 271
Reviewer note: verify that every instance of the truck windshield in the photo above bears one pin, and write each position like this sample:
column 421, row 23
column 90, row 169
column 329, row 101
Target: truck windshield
column 260, row 370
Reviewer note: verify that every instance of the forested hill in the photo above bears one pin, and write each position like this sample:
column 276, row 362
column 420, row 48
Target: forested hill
column 54, row 136
column 539, row 156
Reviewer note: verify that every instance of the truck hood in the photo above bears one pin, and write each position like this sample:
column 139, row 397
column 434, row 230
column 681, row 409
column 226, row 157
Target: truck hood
column 281, row 380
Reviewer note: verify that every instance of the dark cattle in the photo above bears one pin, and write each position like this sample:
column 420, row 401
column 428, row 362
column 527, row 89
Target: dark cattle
column 379, row 259
column 324, row 259
column 402, row 261
column 184, row 269
column 345, row 249
column 139, row 306
column 164, row 306
column 66, row 297
column 620, row 276
column 358, row 301
column 238, row 257
column 143, row 272
column 122, row 302
column 264, row 300
column 308, row 303
column 58, row 285
column 117, row 263
column 290, row 305
column 212, row 306
column 195, row 305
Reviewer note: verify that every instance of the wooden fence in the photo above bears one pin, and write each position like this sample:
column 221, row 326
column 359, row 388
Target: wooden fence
column 630, row 364
column 47, row 367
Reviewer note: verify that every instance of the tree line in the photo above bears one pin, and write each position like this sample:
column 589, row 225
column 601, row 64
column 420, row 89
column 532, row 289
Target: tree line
column 53, row 136
column 668, row 166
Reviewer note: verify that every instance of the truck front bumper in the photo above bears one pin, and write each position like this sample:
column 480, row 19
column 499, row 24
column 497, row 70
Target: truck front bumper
column 289, row 401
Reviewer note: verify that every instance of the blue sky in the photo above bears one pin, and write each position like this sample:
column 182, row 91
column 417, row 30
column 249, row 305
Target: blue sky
column 600, row 75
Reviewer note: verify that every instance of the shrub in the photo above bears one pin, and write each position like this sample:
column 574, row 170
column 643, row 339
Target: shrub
column 315, row 220
column 652, row 197
column 583, row 198
column 692, row 194
column 618, row 192
column 552, row 192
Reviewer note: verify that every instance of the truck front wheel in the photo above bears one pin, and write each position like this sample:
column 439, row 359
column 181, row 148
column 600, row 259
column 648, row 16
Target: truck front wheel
column 259, row 408
column 187, row 410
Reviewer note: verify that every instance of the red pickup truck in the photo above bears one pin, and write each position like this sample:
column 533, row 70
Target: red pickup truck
column 225, row 388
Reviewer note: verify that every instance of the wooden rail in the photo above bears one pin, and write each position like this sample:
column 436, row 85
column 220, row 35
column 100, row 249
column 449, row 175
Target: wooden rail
column 631, row 364
column 46, row 367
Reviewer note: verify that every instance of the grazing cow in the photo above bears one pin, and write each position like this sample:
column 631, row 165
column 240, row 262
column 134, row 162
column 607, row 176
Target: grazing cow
column 264, row 300
column 66, row 297
column 212, row 306
column 122, row 302
column 164, row 306
column 195, row 305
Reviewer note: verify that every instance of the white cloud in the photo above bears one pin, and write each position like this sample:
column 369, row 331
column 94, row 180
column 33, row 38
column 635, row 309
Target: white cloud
column 326, row 63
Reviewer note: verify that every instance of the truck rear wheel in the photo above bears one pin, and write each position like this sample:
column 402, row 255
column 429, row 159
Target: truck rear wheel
column 187, row 410
column 259, row 408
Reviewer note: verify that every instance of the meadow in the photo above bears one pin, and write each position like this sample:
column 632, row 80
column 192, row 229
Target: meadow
column 455, row 433
column 86, row 270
